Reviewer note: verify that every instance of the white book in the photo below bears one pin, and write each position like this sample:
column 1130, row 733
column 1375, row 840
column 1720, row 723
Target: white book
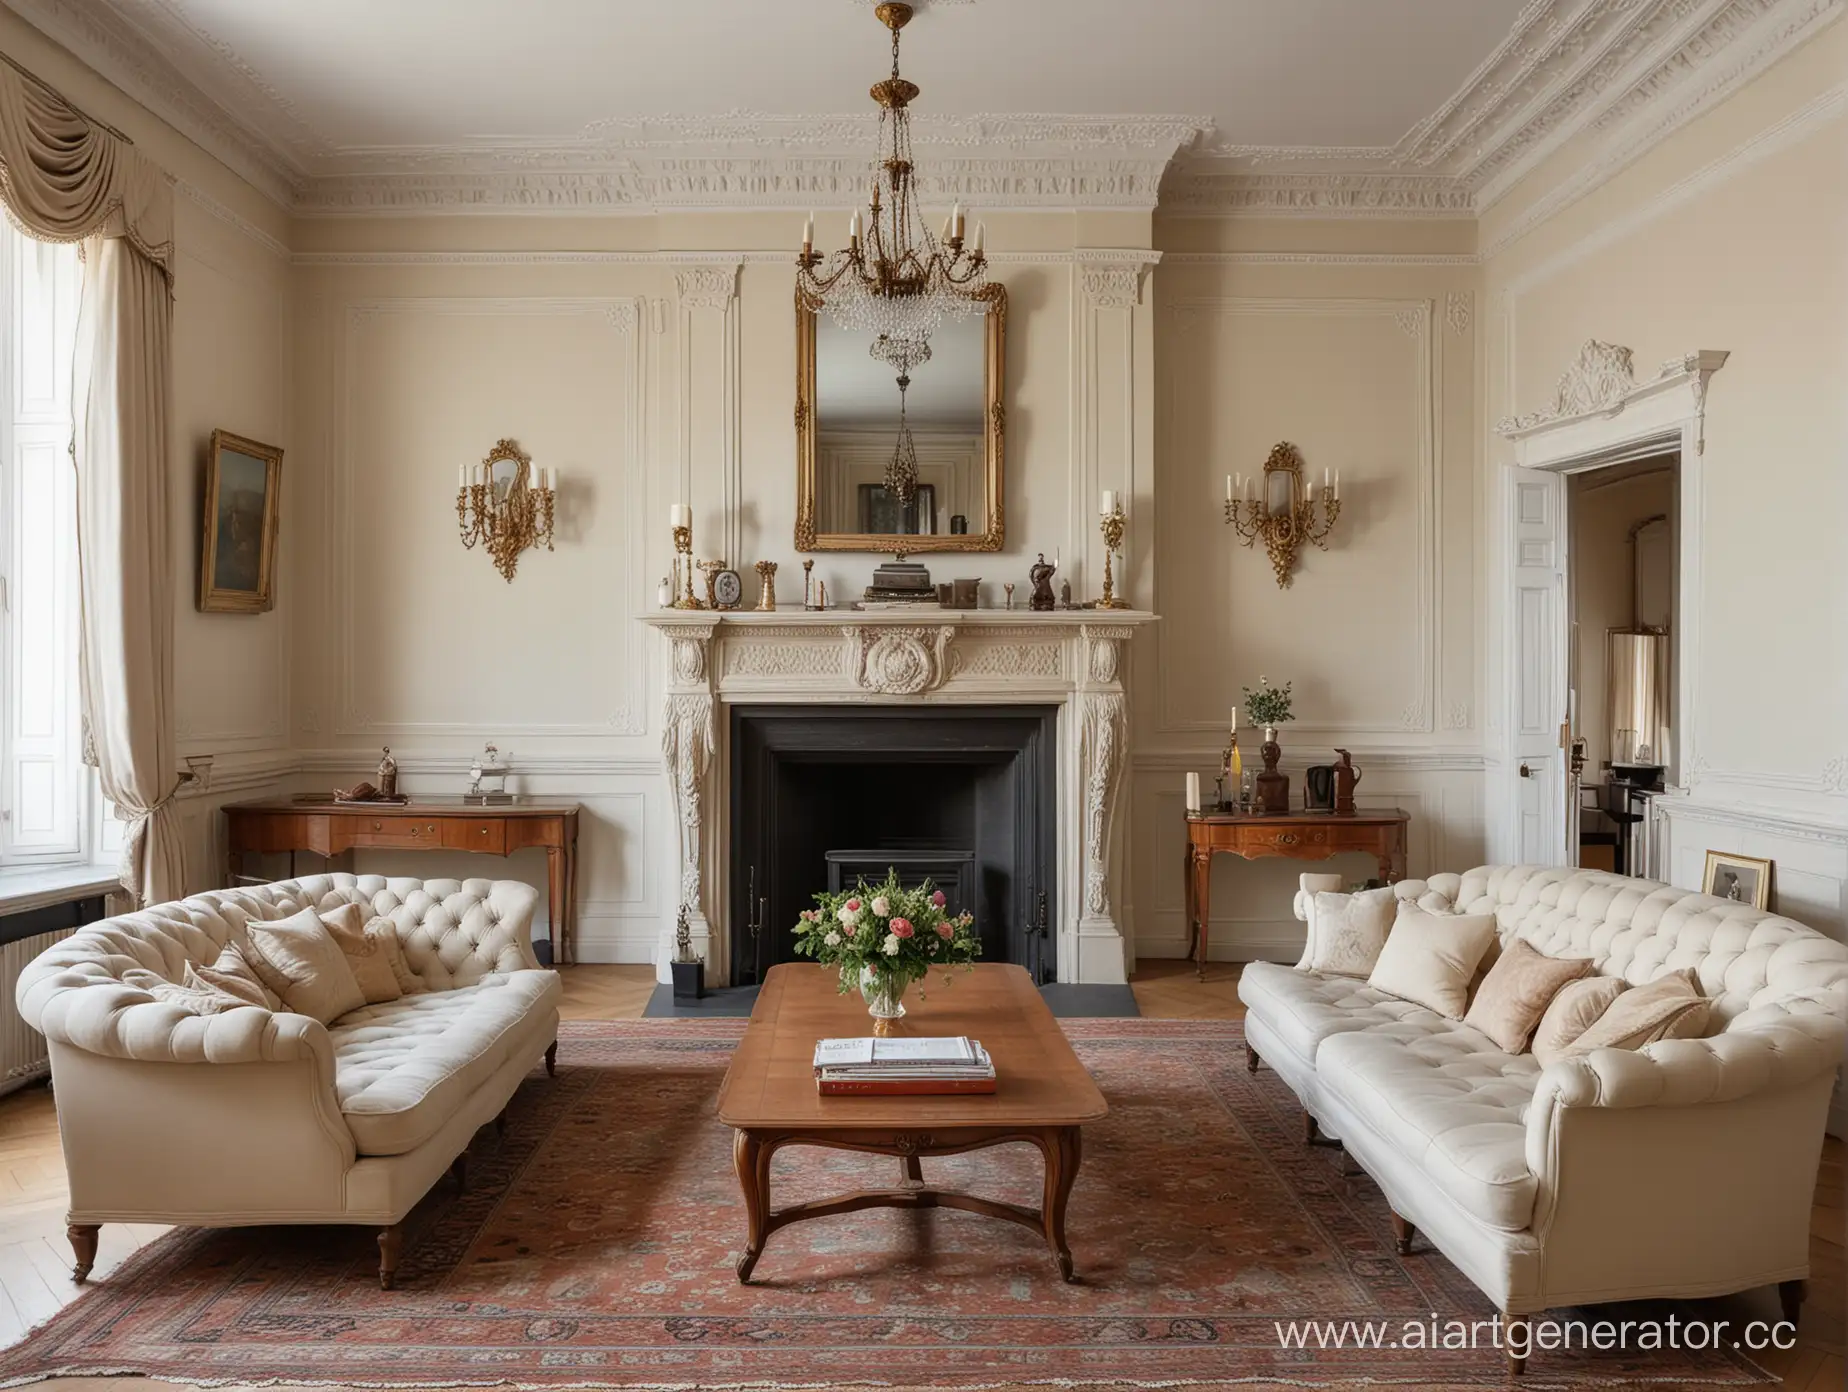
column 871, row 1051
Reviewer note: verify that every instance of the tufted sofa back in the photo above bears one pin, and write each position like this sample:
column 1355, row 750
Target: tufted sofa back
column 454, row 931
column 1754, row 966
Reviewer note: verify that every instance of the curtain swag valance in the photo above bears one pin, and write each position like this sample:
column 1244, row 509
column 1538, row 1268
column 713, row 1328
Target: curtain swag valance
column 64, row 177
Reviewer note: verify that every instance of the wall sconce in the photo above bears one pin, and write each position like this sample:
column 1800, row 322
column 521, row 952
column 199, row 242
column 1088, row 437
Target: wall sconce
column 1283, row 513
column 504, row 502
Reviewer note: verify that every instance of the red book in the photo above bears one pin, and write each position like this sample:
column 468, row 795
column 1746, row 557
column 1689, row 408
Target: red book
column 896, row 1087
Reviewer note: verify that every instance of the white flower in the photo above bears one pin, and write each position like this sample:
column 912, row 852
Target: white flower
column 891, row 945
column 847, row 915
column 882, row 907
column 833, row 940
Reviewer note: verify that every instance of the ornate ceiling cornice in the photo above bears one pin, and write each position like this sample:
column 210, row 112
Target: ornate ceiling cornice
column 1623, row 73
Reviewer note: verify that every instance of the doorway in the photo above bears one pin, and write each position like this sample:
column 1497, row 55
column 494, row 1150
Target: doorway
column 1620, row 604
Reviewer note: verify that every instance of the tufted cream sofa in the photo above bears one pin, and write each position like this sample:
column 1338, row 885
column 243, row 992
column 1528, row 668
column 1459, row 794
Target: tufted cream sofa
column 1684, row 1169
column 250, row 1116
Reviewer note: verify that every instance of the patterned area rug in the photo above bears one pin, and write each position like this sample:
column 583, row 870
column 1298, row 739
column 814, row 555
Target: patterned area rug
column 596, row 1240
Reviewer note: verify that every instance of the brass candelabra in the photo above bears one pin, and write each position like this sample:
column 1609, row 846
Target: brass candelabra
column 1285, row 530
column 507, row 505
column 766, row 572
column 683, row 563
column 1111, row 525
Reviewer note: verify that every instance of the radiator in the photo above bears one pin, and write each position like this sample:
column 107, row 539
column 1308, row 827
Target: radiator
column 23, row 1057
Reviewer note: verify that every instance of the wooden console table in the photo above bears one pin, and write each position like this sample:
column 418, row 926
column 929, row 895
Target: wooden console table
column 429, row 824
column 1298, row 835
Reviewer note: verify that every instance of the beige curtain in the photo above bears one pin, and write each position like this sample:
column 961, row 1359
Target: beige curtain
column 66, row 178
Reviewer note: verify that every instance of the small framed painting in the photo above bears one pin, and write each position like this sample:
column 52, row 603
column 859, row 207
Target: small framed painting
column 1745, row 879
column 243, row 485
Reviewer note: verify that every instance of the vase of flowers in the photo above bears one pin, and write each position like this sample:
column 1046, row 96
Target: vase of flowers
column 1269, row 706
column 884, row 938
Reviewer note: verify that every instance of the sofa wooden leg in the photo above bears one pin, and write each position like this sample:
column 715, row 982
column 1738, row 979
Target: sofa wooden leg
column 1251, row 1059
column 1310, row 1134
column 1791, row 1295
column 391, row 1247
column 500, row 1122
column 1514, row 1343
column 551, row 1059
column 83, row 1248
column 458, row 1171
column 1402, row 1234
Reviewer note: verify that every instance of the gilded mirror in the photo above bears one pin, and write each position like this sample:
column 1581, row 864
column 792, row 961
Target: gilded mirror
column 848, row 427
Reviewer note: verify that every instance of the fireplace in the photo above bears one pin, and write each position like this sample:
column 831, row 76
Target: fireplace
column 963, row 795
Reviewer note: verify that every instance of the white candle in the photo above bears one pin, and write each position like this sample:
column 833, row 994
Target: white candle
column 948, row 223
column 980, row 231
column 808, row 233
column 1324, row 478
column 1235, row 719
column 853, row 227
column 1193, row 792
column 1109, row 505
column 956, row 221
column 1228, row 488
column 462, row 476
column 481, row 473
column 680, row 515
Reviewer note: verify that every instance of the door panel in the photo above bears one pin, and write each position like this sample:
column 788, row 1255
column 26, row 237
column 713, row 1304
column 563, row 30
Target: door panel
column 1537, row 784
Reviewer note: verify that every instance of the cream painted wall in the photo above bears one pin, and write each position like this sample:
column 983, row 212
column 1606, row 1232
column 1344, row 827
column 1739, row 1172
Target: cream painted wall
column 1363, row 357
column 1727, row 236
column 232, row 348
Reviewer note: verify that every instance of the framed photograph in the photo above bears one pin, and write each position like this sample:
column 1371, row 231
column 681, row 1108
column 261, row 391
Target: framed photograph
column 1746, row 879
column 243, row 486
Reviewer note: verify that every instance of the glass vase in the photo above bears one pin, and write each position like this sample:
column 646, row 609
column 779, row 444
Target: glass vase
column 884, row 997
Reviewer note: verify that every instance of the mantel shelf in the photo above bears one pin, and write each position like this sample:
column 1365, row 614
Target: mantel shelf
column 805, row 618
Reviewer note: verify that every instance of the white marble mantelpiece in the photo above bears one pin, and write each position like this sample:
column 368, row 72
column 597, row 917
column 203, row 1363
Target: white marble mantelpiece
column 1073, row 659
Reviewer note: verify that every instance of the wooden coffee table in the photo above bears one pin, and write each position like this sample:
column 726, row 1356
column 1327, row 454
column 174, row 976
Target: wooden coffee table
column 1043, row 1096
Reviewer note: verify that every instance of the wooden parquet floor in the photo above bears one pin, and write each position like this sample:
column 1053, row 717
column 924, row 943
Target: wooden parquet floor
column 35, row 1261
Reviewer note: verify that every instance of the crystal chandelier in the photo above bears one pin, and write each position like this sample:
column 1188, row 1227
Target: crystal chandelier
column 901, row 472
column 894, row 281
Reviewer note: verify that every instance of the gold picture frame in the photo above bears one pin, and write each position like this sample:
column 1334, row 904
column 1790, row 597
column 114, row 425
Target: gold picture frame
column 994, row 433
column 1743, row 879
column 237, row 551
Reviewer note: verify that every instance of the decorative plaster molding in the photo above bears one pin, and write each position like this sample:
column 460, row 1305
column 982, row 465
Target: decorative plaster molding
column 1460, row 310
column 899, row 661
column 1320, row 258
column 232, row 218
column 1191, row 190
column 707, row 287
column 1110, row 285
column 1599, row 379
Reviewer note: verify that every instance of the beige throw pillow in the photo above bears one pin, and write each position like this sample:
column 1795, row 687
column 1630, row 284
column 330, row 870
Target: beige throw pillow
column 190, row 992
column 299, row 959
column 233, row 974
column 1347, row 931
column 1670, row 1007
column 1429, row 958
column 1517, row 990
column 1574, row 1010
column 366, row 952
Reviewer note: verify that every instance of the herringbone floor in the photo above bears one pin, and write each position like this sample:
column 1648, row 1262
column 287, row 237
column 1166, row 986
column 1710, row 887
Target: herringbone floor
column 35, row 1262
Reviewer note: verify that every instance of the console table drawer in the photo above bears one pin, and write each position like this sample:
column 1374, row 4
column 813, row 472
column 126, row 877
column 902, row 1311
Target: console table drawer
column 485, row 834
column 1283, row 840
column 412, row 832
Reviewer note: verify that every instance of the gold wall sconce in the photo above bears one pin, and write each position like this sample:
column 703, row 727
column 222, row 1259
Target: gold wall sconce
column 1283, row 511
column 507, row 504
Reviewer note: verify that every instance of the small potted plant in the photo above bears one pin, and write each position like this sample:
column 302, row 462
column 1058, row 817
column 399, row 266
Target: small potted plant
column 882, row 938
column 689, row 972
column 1268, row 706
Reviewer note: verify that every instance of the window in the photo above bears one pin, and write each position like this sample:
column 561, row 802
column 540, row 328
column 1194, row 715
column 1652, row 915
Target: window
column 48, row 805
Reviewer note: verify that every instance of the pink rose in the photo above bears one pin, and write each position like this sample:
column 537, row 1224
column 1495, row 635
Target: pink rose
column 938, row 899
column 945, row 931
column 852, row 906
column 901, row 927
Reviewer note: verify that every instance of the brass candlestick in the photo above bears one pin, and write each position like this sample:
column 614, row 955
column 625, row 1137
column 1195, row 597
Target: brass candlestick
column 1111, row 524
column 683, row 562
column 766, row 571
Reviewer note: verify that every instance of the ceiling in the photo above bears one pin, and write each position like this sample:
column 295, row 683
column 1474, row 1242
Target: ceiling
column 1328, row 106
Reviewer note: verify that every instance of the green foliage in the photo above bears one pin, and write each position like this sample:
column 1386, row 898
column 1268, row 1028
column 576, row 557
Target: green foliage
column 913, row 933
column 1268, row 705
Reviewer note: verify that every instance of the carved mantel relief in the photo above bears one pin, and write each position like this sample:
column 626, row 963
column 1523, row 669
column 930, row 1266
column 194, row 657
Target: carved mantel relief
column 1071, row 660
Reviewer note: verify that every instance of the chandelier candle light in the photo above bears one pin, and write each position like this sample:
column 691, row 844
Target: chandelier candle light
column 507, row 504
column 1293, row 522
column 894, row 281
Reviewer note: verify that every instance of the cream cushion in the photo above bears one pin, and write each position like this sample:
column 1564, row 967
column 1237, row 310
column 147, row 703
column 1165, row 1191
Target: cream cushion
column 402, row 1067
column 190, row 993
column 1429, row 959
column 1573, row 1011
column 1516, row 992
column 365, row 947
column 299, row 959
column 1667, row 1008
column 232, row 973
column 1347, row 931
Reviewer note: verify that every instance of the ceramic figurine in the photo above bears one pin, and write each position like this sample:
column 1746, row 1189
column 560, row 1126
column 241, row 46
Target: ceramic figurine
column 1041, row 601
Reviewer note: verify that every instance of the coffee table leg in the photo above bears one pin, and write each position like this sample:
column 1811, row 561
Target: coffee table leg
column 1064, row 1150
column 751, row 1158
column 914, row 1171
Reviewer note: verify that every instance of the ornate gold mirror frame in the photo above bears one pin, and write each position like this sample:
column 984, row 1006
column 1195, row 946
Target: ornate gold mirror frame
column 994, row 429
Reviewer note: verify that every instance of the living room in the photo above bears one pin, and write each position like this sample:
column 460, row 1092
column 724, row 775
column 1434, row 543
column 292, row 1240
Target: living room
column 1252, row 524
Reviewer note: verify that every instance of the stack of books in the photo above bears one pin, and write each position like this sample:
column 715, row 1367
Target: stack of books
column 885, row 1067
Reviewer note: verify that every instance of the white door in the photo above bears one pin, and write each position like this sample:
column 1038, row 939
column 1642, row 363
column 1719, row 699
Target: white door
column 1536, row 781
